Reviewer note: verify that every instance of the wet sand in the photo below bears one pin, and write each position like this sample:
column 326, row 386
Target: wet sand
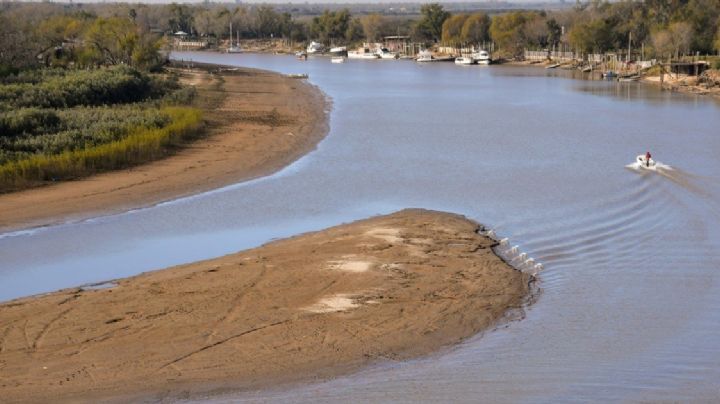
column 257, row 123
column 306, row 308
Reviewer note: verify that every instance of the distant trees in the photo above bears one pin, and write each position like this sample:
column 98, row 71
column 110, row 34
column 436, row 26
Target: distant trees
column 507, row 30
column 476, row 29
column 431, row 22
column 452, row 29
column 371, row 26
column 331, row 26
column 673, row 41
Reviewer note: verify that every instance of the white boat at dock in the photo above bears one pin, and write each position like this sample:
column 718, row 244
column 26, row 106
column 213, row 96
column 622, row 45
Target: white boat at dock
column 338, row 50
column 425, row 56
column 363, row 53
column 384, row 53
column 464, row 60
column 482, row 57
column 314, row 47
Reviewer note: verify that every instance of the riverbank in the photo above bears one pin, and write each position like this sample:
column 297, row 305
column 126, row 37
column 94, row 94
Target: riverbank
column 706, row 84
column 257, row 123
column 306, row 308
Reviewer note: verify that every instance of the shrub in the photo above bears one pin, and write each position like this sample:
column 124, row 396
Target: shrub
column 140, row 145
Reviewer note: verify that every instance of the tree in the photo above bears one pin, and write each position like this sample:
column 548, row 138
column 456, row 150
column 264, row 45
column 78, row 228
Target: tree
column 663, row 44
column 507, row 31
column 371, row 25
column 354, row 31
column 331, row 26
column 203, row 22
column 554, row 32
column 476, row 29
column 682, row 35
column 717, row 40
column 592, row 36
column 18, row 48
column 452, row 29
column 432, row 20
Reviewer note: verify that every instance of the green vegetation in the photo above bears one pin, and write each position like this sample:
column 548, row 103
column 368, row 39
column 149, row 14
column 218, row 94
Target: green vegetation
column 100, row 34
column 59, row 124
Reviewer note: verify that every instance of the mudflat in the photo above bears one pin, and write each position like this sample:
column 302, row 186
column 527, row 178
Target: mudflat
column 257, row 123
column 305, row 308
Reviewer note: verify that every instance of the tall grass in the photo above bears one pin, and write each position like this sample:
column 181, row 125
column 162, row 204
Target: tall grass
column 142, row 144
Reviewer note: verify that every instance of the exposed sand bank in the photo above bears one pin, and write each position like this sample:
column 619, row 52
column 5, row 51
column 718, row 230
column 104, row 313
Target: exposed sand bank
column 308, row 307
column 258, row 122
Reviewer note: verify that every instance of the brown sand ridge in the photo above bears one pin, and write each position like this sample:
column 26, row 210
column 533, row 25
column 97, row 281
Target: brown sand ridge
column 257, row 123
column 308, row 307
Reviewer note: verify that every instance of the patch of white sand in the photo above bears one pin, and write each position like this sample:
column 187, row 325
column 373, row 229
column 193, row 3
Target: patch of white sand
column 332, row 304
column 388, row 234
column 351, row 264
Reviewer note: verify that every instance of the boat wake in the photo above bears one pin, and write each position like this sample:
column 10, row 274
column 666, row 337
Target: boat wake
column 684, row 179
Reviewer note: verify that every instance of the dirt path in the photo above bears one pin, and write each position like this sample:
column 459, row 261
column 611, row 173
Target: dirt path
column 312, row 306
column 263, row 122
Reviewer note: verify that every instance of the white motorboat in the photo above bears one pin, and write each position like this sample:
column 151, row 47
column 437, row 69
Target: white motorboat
column 425, row 56
column 464, row 60
column 315, row 47
column 482, row 57
column 338, row 50
column 644, row 162
column 384, row 53
column 362, row 53
column 338, row 59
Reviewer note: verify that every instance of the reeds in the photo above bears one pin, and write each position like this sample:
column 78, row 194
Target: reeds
column 141, row 144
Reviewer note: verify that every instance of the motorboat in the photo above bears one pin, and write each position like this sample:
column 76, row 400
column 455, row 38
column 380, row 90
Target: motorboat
column 482, row 57
column 384, row 53
column 643, row 161
column 315, row 47
column 338, row 51
column 338, row 59
column 363, row 53
column 301, row 55
column 464, row 60
column 425, row 56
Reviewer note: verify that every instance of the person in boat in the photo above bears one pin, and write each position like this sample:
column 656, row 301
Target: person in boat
column 648, row 156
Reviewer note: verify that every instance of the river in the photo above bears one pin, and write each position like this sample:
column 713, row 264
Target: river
column 627, row 309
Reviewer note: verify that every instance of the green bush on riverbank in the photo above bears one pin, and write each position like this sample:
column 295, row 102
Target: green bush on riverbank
column 60, row 124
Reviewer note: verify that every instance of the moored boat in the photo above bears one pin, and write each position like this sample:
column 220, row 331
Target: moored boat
column 384, row 53
column 482, row 57
column 464, row 60
column 362, row 53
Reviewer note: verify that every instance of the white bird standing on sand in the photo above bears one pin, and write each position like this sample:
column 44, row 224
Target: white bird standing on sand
column 490, row 233
column 529, row 262
column 504, row 241
column 514, row 250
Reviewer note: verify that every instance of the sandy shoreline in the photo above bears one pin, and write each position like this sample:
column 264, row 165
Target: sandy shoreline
column 301, row 309
column 262, row 121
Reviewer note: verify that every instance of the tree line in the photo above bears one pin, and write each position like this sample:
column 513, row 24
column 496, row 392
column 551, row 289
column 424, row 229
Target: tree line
column 132, row 34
